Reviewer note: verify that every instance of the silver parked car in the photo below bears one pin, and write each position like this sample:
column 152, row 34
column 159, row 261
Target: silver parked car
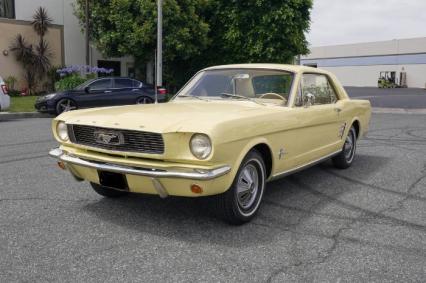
column 4, row 97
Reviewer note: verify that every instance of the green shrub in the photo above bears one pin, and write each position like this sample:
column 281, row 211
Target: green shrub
column 52, row 78
column 69, row 82
column 10, row 82
column 14, row 92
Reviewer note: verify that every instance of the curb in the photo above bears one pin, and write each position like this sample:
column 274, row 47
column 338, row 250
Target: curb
column 379, row 110
column 22, row 115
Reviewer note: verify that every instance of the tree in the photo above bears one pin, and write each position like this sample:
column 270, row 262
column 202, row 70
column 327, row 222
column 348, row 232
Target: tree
column 34, row 60
column 199, row 33
column 267, row 31
column 41, row 23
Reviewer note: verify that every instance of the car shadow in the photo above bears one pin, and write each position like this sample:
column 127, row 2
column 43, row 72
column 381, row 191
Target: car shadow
column 287, row 205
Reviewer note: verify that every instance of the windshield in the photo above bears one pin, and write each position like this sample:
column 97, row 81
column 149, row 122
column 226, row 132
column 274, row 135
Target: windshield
column 258, row 85
column 83, row 85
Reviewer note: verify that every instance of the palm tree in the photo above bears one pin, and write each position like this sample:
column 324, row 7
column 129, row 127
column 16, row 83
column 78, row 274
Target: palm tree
column 42, row 58
column 35, row 60
column 41, row 22
column 23, row 51
column 24, row 54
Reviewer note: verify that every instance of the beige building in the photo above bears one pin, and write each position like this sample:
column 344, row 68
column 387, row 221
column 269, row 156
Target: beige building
column 360, row 64
column 65, row 38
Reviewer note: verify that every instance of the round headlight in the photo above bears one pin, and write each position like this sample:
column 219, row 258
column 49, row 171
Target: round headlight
column 200, row 146
column 62, row 131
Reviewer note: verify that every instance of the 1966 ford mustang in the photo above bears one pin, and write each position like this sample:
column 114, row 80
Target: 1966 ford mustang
column 227, row 132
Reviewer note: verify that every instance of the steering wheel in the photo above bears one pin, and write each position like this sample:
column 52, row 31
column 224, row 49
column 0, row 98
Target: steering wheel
column 273, row 94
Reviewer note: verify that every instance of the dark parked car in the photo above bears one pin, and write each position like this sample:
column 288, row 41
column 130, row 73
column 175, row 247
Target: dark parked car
column 99, row 92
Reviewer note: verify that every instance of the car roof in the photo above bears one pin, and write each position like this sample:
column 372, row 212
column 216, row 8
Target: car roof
column 284, row 67
column 128, row 78
column 115, row 77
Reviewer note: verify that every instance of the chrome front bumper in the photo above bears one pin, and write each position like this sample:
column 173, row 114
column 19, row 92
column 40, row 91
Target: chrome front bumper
column 182, row 173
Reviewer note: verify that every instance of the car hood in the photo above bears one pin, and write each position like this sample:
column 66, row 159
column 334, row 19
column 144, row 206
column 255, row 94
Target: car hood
column 177, row 116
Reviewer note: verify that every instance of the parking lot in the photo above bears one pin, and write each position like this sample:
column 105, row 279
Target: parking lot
column 367, row 223
column 407, row 98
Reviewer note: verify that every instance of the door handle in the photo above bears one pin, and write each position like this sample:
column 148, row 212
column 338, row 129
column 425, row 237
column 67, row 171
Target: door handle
column 338, row 110
column 107, row 91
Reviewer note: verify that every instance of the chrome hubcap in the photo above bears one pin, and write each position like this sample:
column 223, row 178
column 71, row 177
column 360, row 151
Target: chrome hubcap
column 67, row 105
column 247, row 186
column 349, row 146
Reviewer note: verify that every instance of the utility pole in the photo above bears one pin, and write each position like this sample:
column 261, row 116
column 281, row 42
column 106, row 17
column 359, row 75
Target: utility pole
column 87, row 33
column 159, row 63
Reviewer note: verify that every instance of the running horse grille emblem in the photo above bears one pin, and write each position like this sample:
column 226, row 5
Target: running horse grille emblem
column 109, row 137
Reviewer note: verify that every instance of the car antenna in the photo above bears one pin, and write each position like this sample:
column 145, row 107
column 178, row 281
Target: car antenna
column 155, row 77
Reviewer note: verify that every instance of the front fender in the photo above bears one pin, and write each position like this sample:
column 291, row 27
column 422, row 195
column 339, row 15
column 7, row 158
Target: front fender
column 237, row 151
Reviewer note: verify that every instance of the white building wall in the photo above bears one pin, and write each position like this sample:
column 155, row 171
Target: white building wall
column 74, row 39
column 24, row 9
column 390, row 47
column 62, row 13
column 360, row 64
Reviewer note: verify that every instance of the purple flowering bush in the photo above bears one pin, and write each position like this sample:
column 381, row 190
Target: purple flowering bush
column 82, row 70
column 74, row 75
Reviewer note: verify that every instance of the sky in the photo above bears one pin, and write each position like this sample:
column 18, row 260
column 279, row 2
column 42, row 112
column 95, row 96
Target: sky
column 352, row 21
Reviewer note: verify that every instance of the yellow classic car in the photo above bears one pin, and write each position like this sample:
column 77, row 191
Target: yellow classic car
column 226, row 133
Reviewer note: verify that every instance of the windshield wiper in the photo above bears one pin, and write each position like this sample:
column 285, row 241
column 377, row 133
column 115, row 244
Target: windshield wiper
column 193, row 96
column 224, row 94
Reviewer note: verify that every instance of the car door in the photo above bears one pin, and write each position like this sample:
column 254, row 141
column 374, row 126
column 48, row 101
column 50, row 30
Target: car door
column 125, row 91
column 320, row 123
column 96, row 93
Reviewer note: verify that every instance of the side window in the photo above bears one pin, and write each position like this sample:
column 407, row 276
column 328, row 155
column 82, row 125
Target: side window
column 123, row 83
column 317, row 90
column 275, row 84
column 100, row 84
column 7, row 9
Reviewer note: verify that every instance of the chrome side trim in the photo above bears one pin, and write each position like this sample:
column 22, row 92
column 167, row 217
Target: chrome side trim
column 304, row 166
column 154, row 173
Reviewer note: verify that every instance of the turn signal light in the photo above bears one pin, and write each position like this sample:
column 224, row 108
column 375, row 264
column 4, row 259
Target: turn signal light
column 61, row 165
column 196, row 189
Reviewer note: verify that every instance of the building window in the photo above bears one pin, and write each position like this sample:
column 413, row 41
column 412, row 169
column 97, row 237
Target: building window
column 115, row 65
column 7, row 9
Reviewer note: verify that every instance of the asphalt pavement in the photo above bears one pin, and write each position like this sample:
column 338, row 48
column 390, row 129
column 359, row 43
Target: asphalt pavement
column 407, row 98
column 363, row 224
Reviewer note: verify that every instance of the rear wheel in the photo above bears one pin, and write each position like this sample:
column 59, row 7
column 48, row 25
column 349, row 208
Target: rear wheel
column 241, row 202
column 107, row 192
column 65, row 105
column 144, row 100
column 346, row 157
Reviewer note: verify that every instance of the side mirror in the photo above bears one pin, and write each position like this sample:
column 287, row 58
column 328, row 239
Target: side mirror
column 308, row 99
column 87, row 89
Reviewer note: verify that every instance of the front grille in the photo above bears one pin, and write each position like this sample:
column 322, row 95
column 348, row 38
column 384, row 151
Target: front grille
column 132, row 141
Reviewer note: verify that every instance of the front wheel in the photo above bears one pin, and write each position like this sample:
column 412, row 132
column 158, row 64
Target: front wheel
column 107, row 192
column 346, row 157
column 144, row 100
column 65, row 105
column 241, row 202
